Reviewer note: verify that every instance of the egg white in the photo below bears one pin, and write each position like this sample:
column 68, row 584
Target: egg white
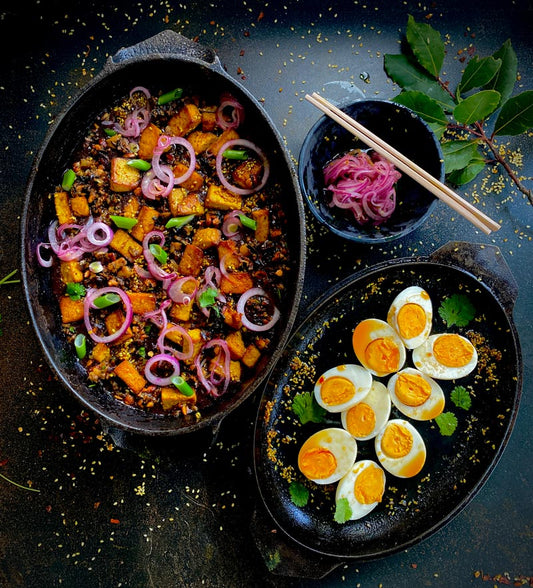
column 412, row 295
column 410, row 464
column 345, row 489
column 430, row 409
column 379, row 401
column 340, row 443
column 425, row 361
column 369, row 330
column 357, row 375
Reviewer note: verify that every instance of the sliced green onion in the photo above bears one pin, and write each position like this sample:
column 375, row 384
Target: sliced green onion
column 235, row 154
column 177, row 222
column 169, row 96
column 182, row 386
column 123, row 222
column 140, row 164
column 80, row 344
column 158, row 252
column 106, row 300
column 68, row 179
column 96, row 267
column 142, row 351
column 110, row 132
column 247, row 222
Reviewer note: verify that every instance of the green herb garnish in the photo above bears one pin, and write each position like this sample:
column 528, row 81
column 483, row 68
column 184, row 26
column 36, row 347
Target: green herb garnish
column 241, row 154
column 106, row 300
column 110, row 132
column 299, row 493
column 207, row 297
column 69, row 177
column 169, row 96
column 177, row 222
column 182, row 386
column 247, row 222
column 460, row 396
column 75, row 291
column 343, row 511
column 80, row 344
column 140, row 164
column 457, row 310
column 447, row 423
column 7, row 278
column 158, row 252
column 307, row 409
column 123, row 222
column 479, row 109
column 142, row 351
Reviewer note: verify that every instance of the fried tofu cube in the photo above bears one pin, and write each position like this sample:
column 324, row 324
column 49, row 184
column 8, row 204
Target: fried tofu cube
column 113, row 322
column 236, row 283
column 201, row 141
column 171, row 398
column 248, row 174
column 181, row 312
column 235, row 370
column 194, row 183
column 123, row 177
column 80, row 206
column 191, row 260
column 132, row 207
column 209, row 120
column 262, row 220
column 126, row 245
column 185, row 121
column 221, row 199
column 251, row 356
column 147, row 141
column 208, row 237
column 145, row 222
column 232, row 318
column 235, row 345
column 101, row 352
column 182, row 203
column 71, row 310
column 71, row 271
column 142, row 302
column 63, row 210
column 227, row 135
column 129, row 374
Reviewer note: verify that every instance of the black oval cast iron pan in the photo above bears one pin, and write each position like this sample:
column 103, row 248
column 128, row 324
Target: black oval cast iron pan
column 167, row 58
column 456, row 465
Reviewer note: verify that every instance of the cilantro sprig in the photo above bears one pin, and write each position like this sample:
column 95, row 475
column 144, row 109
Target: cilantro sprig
column 307, row 409
column 457, row 309
column 343, row 511
column 460, row 396
column 447, row 423
column 299, row 493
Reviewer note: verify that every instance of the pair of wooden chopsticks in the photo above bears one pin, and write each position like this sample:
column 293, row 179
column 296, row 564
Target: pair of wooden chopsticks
column 443, row 192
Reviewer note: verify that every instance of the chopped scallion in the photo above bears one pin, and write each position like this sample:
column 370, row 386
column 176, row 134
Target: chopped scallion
column 110, row 132
column 140, row 164
column 80, row 344
column 182, row 386
column 169, row 96
column 177, row 222
column 123, row 222
column 247, row 222
column 68, row 179
column 158, row 252
column 235, row 154
column 96, row 267
column 106, row 300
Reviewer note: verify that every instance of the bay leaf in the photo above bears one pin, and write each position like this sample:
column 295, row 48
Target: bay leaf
column 478, row 72
column 468, row 173
column 427, row 108
column 476, row 107
column 516, row 115
column 505, row 77
column 426, row 44
column 410, row 76
column 458, row 154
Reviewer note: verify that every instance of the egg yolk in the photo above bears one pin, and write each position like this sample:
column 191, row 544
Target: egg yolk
column 382, row 355
column 397, row 441
column 412, row 389
column 452, row 351
column 360, row 420
column 336, row 390
column 411, row 320
column 369, row 485
column 317, row 463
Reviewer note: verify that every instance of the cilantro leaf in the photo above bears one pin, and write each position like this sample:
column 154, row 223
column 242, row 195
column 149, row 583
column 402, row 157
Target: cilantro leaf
column 457, row 310
column 299, row 493
column 306, row 408
column 343, row 511
column 447, row 423
column 461, row 397
column 75, row 291
column 208, row 297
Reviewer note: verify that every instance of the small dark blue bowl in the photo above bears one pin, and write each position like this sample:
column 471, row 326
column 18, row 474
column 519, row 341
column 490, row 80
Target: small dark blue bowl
column 403, row 130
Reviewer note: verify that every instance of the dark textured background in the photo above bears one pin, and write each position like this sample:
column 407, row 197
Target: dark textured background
column 178, row 514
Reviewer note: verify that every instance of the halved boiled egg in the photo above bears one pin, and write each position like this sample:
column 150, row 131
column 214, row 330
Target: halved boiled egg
column 342, row 386
column 400, row 449
column 416, row 395
column 365, row 419
column 445, row 357
column 327, row 455
column 378, row 347
column 411, row 315
column 363, row 486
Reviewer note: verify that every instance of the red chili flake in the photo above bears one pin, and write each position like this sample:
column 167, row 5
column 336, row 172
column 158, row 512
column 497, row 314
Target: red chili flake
column 241, row 52
column 239, row 70
column 48, row 508
column 96, row 505
column 246, row 33
column 3, row 462
column 414, row 566
column 114, row 521
column 261, row 16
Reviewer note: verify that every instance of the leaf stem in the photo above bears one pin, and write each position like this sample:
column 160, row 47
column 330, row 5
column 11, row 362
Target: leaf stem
column 7, row 279
column 18, row 485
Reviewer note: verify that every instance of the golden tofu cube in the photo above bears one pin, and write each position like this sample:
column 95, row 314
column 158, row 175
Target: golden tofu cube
column 123, row 177
column 71, row 310
column 221, row 199
column 171, row 397
column 201, row 141
column 182, row 203
column 126, row 245
column 148, row 141
column 71, row 271
column 262, row 225
column 185, row 121
column 235, row 345
column 145, row 222
column 80, row 206
column 63, row 210
column 101, row 352
column 251, row 355
column 208, row 237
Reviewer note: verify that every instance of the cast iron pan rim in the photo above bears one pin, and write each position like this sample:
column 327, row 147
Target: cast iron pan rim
column 109, row 70
column 315, row 307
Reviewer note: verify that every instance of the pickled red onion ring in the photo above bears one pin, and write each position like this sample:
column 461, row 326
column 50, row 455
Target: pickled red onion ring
column 212, row 383
column 88, row 304
column 236, row 116
column 241, row 309
column 252, row 147
column 163, row 143
column 188, row 345
column 161, row 358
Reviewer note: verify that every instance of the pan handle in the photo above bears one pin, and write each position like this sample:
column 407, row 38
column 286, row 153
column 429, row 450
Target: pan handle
column 166, row 42
column 487, row 263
